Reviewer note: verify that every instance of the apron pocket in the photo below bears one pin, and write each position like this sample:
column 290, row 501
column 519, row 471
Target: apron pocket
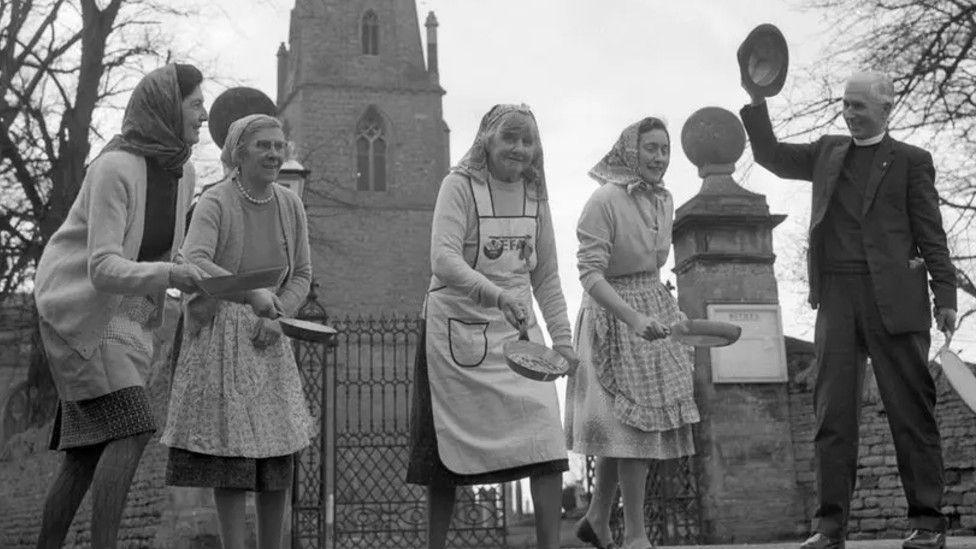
column 468, row 341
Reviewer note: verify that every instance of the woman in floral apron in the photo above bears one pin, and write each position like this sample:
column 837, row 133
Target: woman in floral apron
column 237, row 412
column 475, row 421
column 631, row 400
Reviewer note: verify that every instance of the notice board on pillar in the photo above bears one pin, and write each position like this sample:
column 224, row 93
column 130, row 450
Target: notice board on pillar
column 759, row 356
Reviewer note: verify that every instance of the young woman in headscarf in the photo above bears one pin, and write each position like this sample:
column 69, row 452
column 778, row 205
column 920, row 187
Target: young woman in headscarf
column 237, row 413
column 100, row 290
column 474, row 420
column 631, row 400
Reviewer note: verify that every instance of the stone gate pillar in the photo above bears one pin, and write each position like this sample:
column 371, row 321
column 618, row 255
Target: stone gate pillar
column 724, row 267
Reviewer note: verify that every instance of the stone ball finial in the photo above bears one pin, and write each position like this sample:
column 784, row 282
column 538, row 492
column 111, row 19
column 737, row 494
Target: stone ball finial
column 713, row 138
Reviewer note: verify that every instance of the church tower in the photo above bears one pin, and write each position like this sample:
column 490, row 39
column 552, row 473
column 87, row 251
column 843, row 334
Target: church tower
column 364, row 111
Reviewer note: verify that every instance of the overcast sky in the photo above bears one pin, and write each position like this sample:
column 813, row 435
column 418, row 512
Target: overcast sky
column 588, row 68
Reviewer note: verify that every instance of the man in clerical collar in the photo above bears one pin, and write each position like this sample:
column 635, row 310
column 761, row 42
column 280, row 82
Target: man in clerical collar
column 876, row 236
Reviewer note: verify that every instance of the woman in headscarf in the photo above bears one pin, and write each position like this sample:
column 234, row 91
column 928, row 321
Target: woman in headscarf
column 237, row 413
column 100, row 289
column 631, row 400
column 473, row 420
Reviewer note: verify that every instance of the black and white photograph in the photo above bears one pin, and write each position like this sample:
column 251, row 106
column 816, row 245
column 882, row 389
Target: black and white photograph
column 487, row 274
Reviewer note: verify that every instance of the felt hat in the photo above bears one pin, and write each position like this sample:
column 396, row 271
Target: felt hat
column 233, row 104
column 763, row 60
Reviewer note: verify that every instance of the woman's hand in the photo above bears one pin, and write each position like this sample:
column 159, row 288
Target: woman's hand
column 515, row 311
column 185, row 276
column 649, row 328
column 569, row 354
column 266, row 333
column 265, row 304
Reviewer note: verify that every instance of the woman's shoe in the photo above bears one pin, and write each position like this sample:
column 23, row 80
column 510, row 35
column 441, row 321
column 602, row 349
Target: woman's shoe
column 585, row 533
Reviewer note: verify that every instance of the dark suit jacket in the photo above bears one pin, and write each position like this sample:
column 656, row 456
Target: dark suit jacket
column 901, row 217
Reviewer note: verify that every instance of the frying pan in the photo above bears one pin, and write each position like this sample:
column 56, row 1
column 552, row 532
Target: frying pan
column 217, row 286
column 960, row 377
column 705, row 333
column 306, row 330
column 533, row 360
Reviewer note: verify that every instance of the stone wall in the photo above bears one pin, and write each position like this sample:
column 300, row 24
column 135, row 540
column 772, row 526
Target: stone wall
column 878, row 507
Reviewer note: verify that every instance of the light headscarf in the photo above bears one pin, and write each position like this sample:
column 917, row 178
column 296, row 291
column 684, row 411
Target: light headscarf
column 620, row 167
column 236, row 133
column 474, row 164
column 153, row 122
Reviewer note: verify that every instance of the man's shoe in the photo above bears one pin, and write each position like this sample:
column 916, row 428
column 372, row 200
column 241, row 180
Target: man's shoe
column 924, row 539
column 822, row 541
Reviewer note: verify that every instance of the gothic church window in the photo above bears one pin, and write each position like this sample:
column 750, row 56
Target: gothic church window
column 371, row 143
column 371, row 33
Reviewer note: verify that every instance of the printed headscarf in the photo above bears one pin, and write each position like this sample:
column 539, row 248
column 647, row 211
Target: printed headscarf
column 236, row 132
column 153, row 122
column 474, row 164
column 620, row 167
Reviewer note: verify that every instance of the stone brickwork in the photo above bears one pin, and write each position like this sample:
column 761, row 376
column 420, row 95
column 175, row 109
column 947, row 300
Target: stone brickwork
column 878, row 507
column 370, row 249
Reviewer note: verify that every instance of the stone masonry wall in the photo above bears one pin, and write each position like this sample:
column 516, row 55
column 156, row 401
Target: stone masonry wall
column 878, row 506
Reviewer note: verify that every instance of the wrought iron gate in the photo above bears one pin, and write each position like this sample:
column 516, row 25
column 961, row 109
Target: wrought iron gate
column 672, row 506
column 349, row 487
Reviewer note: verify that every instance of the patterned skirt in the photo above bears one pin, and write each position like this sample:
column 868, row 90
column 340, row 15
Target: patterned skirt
column 126, row 345
column 230, row 398
column 631, row 397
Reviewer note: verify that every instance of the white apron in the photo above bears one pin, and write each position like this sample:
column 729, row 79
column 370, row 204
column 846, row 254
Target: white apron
column 486, row 416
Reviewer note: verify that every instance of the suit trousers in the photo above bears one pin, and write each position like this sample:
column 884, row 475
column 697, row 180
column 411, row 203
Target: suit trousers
column 849, row 329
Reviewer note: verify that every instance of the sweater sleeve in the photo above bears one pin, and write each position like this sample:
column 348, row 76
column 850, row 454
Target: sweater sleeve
column 595, row 235
column 295, row 290
column 108, row 268
column 450, row 225
column 546, row 286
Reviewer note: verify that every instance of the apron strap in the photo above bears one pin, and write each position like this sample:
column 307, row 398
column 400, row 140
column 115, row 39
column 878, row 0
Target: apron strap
column 530, row 206
column 483, row 204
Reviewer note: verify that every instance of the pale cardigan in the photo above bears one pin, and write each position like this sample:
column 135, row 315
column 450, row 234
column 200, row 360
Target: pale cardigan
column 90, row 261
column 215, row 243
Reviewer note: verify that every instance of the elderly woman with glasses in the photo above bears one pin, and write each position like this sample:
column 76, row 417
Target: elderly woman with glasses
column 475, row 421
column 237, row 412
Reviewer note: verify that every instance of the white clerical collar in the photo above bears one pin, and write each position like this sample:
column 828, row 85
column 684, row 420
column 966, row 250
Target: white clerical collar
column 869, row 141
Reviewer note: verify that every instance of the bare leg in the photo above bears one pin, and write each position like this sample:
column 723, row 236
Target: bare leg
column 271, row 513
column 547, row 500
column 230, row 513
column 110, row 487
column 440, row 508
column 633, row 480
column 603, row 497
column 66, row 493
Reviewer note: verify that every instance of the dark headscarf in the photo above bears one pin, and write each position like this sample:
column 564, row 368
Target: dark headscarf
column 475, row 162
column 153, row 122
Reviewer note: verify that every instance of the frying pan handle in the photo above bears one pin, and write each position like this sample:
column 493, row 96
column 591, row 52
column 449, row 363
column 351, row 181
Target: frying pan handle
column 523, row 330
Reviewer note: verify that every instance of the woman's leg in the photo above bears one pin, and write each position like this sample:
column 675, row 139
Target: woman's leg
column 547, row 501
column 271, row 514
column 633, row 480
column 110, row 486
column 66, row 493
column 230, row 514
column 603, row 497
column 440, row 509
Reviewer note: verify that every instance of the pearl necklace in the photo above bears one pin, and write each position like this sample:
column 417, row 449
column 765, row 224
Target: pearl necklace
column 250, row 198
